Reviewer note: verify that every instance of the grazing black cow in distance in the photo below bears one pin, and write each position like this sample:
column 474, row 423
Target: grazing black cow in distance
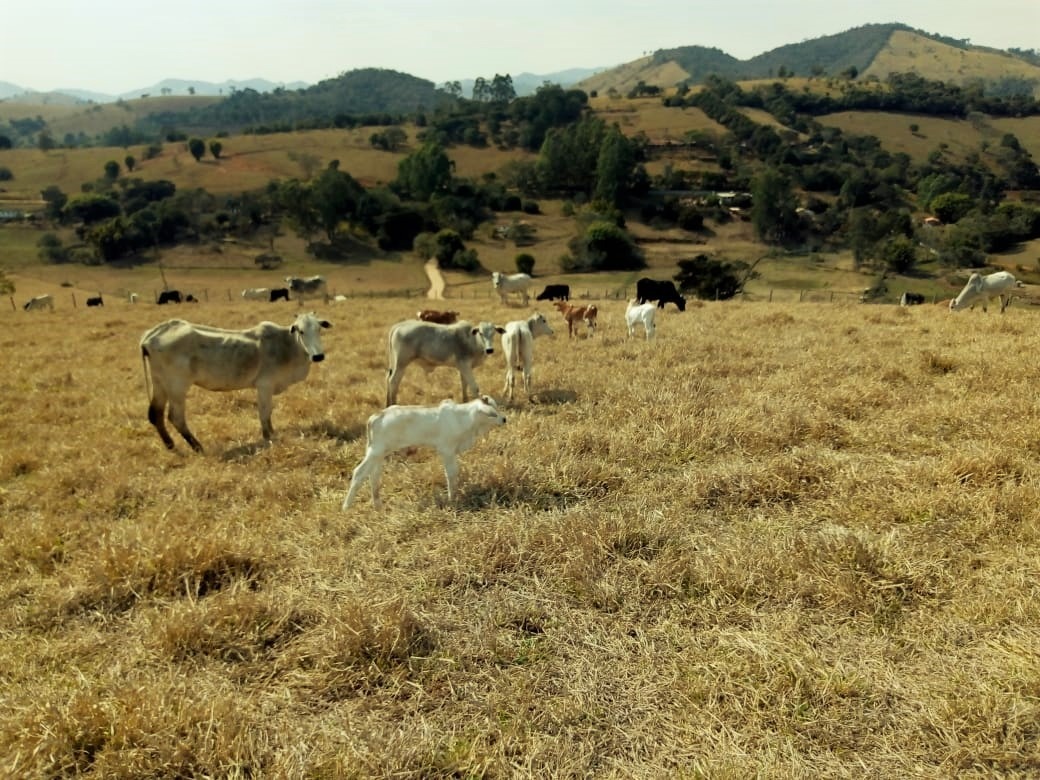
column 911, row 299
column 169, row 296
column 279, row 294
column 95, row 301
column 555, row 292
column 661, row 291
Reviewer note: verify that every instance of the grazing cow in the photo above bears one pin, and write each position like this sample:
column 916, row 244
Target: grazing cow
column 257, row 294
column 39, row 303
column 981, row 288
column 517, row 344
column 169, row 296
column 645, row 313
column 555, row 292
column 511, row 283
column 440, row 317
column 574, row 314
column 450, row 428
column 911, row 299
column 462, row 345
column 303, row 288
column 661, row 291
column 279, row 294
column 267, row 356
column 95, row 300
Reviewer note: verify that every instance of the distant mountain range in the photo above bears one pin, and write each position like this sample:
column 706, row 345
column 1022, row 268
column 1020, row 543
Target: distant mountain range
column 523, row 83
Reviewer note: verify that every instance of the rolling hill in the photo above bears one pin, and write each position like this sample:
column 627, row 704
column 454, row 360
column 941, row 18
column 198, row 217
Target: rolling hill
column 871, row 50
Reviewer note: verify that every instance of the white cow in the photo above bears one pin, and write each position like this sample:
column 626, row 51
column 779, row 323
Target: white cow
column 517, row 344
column 450, row 428
column 301, row 288
column 463, row 345
column 510, row 283
column 981, row 288
column 39, row 303
column 257, row 294
column 267, row 356
column 645, row 313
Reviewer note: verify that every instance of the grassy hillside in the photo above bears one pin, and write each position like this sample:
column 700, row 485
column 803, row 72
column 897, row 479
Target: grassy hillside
column 784, row 540
column 911, row 52
column 96, row 119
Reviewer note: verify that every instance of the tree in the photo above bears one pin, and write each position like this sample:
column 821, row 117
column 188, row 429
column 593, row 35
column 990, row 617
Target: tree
column 51, row 249
column 111, row 170
column 501, row 90
column 197, row 147
column 709, row 278
column 899, row 254
column 951, row 206
column 55, row 200
column 45, row 141
column 335, row 197
column 603, row 246
column 215, row 148
column 614, row 165
column 424, row 172
column 525, row 263
column 773, row 207
column 130, row 163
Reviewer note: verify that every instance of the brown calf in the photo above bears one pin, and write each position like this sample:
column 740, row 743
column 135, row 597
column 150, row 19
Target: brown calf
column 440, row 317
column 574, row 314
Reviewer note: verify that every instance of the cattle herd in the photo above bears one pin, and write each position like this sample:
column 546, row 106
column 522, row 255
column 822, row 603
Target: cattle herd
column 177, row 355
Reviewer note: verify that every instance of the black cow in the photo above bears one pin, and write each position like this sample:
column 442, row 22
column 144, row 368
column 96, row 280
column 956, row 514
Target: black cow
column 555, row 292
column 95, row 301
column 663, row 292
column 169, row 296
column 911, row 299
column 279, row 294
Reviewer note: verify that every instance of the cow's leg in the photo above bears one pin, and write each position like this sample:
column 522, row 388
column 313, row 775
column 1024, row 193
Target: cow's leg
column 1005, row 301
column 265, row 405
column 451, row 472
column 527, row 378
column 469, row 382
column 510, row 381
column 156, row 414
column 180, row 422
column 370, row 467
column 393, row 382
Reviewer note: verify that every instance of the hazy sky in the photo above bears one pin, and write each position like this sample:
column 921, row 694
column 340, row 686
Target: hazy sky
column 115, row 46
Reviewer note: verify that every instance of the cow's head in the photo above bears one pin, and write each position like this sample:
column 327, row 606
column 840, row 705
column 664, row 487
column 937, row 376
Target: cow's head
column 487, row 407
column 496, row 279
column 539, row 325
column 307, row 328
column 680, row 302
column 484, row 333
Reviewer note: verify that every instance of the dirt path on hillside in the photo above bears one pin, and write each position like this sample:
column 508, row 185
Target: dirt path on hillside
column 436, row 291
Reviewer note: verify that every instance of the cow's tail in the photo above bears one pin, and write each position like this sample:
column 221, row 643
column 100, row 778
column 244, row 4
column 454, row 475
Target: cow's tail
column 147, row 374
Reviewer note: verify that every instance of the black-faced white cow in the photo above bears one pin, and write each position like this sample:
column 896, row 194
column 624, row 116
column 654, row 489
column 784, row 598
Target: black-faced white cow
column 302, row 288
column 268, row 356
column 505, row 284
column 450, row 428
column 661, row 291
column 645, row 313
column 911, row 299
column 518, row 347
column 95, row 300
column 39, row 303
column 980, row 289
column 257, row 294
column 169, row 296
column 463, row 345
column 555, row 292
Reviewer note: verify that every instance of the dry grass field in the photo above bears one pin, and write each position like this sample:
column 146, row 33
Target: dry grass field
column 783, row 540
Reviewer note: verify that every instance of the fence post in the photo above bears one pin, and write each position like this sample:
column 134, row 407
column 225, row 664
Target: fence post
column 770, row 296
column 73, row 295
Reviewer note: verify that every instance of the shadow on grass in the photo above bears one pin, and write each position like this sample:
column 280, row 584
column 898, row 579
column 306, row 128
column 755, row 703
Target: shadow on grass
column 476, row 497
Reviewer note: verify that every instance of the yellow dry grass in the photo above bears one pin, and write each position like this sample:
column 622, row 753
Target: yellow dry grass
column 785, row 540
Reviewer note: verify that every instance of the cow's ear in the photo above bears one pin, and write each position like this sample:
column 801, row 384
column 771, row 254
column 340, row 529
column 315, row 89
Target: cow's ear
column 500, row 330
column 325, row 324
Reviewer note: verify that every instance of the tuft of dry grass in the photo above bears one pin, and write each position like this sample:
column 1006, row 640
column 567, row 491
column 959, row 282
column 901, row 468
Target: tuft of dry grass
column 784, row 539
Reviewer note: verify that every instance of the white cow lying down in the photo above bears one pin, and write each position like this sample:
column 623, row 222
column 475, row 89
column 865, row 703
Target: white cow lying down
column 450, row 428
column 980, row 289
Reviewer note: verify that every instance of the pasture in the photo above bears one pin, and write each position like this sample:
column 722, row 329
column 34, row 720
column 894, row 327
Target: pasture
column 782, row 540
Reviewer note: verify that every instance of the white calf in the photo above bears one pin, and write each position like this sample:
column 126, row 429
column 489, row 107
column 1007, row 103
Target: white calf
column 450, row 428
column 980, row 289
column 39, row 303
column 517, row 344
column 645, row 313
